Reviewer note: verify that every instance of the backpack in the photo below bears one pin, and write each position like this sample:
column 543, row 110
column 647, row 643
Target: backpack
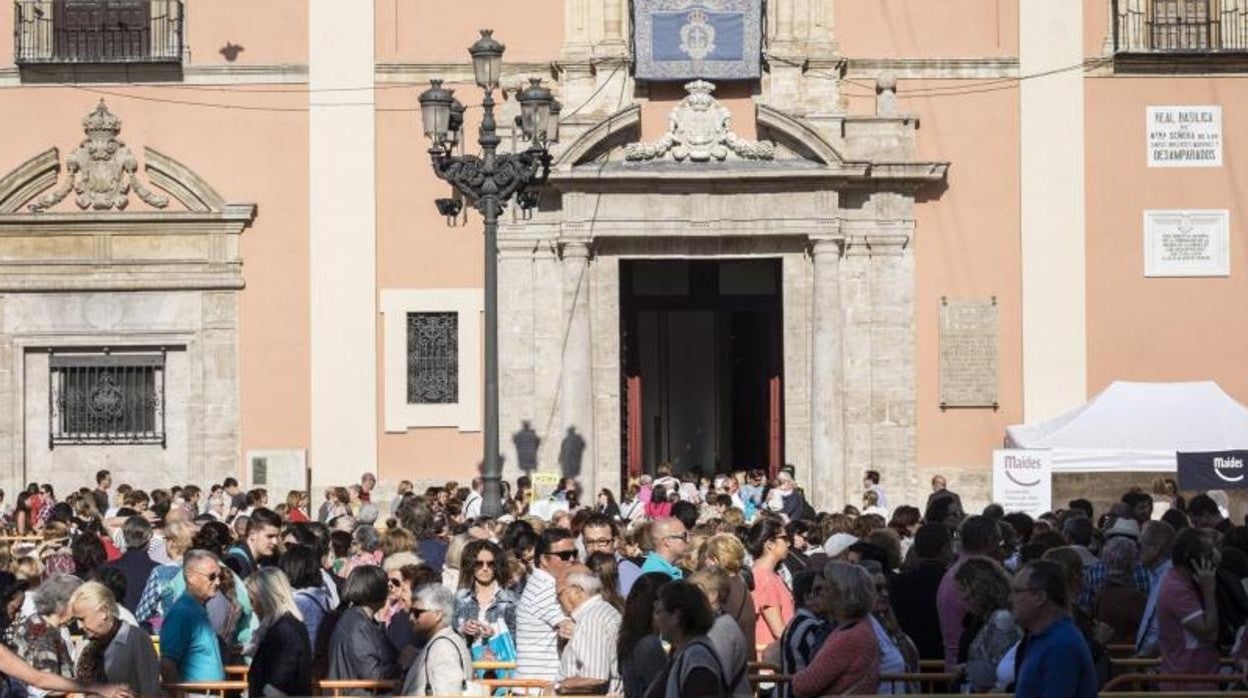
column 324, row 635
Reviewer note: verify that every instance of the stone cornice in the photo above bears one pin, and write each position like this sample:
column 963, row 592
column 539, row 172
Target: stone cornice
column 227, row 74
column 932, row 68
column 454, row 71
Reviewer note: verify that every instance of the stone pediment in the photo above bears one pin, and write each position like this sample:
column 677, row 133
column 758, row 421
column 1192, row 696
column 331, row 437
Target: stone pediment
column 699, row 144
column 101, row 173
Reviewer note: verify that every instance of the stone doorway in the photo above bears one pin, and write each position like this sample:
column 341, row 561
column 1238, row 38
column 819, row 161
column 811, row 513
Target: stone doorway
column 701, row 364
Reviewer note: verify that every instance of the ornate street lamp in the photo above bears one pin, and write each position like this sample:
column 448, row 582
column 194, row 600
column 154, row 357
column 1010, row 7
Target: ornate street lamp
column 488, row 182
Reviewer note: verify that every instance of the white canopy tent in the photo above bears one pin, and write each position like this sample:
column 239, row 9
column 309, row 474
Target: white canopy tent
column 1138, row 427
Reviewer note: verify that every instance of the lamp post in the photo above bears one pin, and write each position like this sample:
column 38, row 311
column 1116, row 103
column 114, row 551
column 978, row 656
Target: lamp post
column 488, row 181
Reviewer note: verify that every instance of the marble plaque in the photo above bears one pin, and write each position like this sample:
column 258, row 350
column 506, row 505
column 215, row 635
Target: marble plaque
column 1187, row 243
column 968, row 354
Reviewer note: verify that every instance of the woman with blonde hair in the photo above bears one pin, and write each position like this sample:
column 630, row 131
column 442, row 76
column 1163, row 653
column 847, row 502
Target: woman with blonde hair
column 396, row 539
column 725, row 551
column 282, row 660
column 160, row 591
column 450, row 566
column 116, row 652
column 296, row 500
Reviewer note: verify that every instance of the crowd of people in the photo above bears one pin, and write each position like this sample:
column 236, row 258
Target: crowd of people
column 670, row 591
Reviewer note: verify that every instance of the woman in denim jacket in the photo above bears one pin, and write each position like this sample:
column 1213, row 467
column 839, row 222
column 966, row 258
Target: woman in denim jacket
column 483, row 597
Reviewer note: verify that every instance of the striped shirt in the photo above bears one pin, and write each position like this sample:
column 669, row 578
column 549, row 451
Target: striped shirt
column 591, row 653
column 538, row 616
column 799, row 642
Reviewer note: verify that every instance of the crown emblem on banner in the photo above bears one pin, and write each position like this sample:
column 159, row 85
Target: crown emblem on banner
column 697, row 36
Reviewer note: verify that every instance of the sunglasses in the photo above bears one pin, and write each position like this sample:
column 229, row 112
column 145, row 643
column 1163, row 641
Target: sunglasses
column 394, row 583
column 482, row 564
column 564, row 555
column 214, row 577
column 418, row 612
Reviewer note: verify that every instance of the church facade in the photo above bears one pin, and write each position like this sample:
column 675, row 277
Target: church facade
column 834, row 234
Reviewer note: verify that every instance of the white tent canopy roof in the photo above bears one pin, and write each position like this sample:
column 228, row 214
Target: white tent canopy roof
column 1134, row 427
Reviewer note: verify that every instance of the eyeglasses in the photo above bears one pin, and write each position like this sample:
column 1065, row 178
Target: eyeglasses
column 598, row 542
column 417, row 612
column 214, row 577
column 482, row 564
column 564, row 555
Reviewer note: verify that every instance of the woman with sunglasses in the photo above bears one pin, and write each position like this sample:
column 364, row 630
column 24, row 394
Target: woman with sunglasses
column 484, row 596
column 773, row 603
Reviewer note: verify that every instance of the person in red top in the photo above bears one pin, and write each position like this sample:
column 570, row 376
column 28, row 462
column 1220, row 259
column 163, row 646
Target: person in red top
column 296, row 500
column 849, row 661
column 1187, row 609
column 773, row 602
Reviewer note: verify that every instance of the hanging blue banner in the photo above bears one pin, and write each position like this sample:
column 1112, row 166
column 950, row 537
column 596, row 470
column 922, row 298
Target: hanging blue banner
column 686, row 39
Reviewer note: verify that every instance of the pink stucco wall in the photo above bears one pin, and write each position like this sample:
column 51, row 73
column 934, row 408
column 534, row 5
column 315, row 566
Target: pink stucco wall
column 265, row 31
column 1161, row 329
column 927, row 29
column 425, row 31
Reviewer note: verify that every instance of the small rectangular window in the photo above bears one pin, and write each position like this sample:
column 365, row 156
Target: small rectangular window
column 432, row 358
column 106, row 398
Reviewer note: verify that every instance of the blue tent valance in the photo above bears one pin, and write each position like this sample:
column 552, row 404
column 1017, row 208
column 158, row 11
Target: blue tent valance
column 686, row 39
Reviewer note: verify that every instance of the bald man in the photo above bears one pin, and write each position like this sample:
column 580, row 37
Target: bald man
column 669, row 540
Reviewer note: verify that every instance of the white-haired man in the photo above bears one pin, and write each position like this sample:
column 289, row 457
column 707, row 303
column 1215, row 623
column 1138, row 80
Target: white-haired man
column 588, row 662
column 444, row 666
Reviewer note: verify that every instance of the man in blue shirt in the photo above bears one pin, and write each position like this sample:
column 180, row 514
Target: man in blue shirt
column 189, row 650
column 1056, row 662
column 670, row 540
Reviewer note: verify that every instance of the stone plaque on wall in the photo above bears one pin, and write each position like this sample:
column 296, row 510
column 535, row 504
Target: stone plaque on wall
column 968, row 353
column 1184, row 136
column 1187, row 243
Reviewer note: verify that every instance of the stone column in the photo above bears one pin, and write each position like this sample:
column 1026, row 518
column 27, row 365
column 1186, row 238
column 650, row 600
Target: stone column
column 827, row 411
column 515, row 343
column 575, row 379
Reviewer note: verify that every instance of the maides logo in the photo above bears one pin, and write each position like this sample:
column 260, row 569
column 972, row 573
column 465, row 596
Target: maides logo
column 1023, row 470
column 1229, row 468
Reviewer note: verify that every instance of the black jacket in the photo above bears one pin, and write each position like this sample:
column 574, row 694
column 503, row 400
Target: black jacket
column 359, row 649
column 913, row 595
column 135, row 566
column 283, row 659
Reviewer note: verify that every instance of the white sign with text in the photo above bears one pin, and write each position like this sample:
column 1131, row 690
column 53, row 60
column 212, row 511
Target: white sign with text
column 1193, row 242
column 1184, row 136
column 1022, row 480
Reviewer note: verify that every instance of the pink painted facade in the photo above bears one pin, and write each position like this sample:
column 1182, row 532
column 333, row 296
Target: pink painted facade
column 243, row 125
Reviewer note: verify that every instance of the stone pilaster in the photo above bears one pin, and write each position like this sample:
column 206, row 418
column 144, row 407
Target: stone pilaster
column 796, row 273
column 827, row 384
column 576, row 380
column 606, row 447
column 516, row 345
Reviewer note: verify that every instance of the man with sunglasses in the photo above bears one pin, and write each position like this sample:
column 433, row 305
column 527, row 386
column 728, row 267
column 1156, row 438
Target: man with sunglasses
column 189, row 650
column 540, row 620
column 670, row 540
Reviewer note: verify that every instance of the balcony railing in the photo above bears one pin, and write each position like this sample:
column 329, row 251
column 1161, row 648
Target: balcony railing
column 56, row 32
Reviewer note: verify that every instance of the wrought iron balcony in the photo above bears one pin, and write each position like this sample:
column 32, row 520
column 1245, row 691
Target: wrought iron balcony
column 1181, row 35
column 99, row 32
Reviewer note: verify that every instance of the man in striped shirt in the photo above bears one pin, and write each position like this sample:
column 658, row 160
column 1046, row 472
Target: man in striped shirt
column 589, row 662
column 539, row 620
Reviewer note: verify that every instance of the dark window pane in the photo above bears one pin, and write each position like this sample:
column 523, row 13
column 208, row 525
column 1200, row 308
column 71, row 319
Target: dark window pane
column 432, row 358
column 104, row 398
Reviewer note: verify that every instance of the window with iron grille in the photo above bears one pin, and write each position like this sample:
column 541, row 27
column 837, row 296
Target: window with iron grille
column 1190, row 27
column 97, row 31
column 106, row 398
column 432, row 358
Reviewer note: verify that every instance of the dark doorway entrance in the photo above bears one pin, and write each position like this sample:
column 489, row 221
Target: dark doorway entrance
column 702, row 360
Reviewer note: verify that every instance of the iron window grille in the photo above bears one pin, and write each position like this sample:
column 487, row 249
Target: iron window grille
column 432, row 358
column 97, row 31
column 1180, row 26
column 106, row 398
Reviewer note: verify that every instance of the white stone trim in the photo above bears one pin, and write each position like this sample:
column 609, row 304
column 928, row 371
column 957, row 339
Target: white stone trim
column 1053, row 224
column 342, row 232
column 468, row 304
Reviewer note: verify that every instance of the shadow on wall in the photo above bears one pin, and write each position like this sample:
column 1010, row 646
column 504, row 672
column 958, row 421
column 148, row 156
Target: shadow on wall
column 570, row 452
column 527, row 442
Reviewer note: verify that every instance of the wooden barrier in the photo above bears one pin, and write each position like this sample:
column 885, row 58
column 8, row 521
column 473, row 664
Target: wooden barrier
column 215, row 688
column 335, row 687
column 237, row 672
column 1138, row 681
column 522, row 684
column 494, row 666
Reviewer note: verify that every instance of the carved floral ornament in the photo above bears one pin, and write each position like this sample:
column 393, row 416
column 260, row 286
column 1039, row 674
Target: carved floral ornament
column 699, row 131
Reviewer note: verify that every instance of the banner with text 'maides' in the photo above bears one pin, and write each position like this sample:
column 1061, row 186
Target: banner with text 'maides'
column 1022, row 480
